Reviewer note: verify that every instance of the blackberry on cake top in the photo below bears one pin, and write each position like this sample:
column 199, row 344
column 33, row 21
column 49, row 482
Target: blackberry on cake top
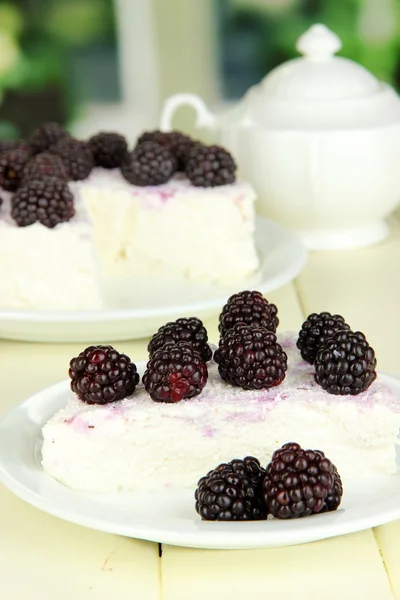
column 315, row 331
column 251, row 358
column 76, row 156
column 232, row 492
column 299, row 483
column 101, row 374
column 175, row 372
column 345, row 364
column 210, row 166
column 189, row 330
column 109, row 149
column 46, row 135
column 176, row 142
column 44, row 164
column 6, row 145
column 149, row 164
column 12, row 164
column 251, row 308
column 47, row 200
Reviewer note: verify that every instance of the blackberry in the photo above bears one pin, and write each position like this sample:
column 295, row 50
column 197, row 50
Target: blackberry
column 299, row 483
column 6, row 145
column 109, row 149
column 45, row 136
column 44, row 164
column 232, row 492
column 189, row 330
column 174, row 373
column 250, row 308
column 345, row 364
column 149, row 164
column 210, row 166
column 47, row 200
column 100, row 375
column 12, row 164
column 76, row 156
column 251, row 358
column 316, row 329
column 177, row 143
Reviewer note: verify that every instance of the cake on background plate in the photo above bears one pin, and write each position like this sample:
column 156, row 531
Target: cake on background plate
column 75, row 214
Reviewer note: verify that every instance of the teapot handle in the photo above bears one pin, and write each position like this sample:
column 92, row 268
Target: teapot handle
column 203, row 116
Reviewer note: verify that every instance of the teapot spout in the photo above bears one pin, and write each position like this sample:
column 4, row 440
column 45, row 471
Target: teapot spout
column 204, row 118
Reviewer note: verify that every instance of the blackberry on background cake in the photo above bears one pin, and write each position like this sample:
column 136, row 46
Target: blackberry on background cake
column 76, row 155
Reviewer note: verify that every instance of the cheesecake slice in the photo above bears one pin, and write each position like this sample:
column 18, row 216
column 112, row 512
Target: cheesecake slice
column 140, row 444
column 120, row 233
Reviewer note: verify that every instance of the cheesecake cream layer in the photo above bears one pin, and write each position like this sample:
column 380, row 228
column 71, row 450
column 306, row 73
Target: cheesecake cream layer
column 42, row 268
column 174, row 230
column 138, row 443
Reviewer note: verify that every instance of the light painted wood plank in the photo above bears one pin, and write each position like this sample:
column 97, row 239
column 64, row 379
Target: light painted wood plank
column 346, row 567
column 388, row 538
column 43, row 557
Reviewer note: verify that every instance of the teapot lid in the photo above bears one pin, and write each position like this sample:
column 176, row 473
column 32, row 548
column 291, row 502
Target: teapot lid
column 321, row 89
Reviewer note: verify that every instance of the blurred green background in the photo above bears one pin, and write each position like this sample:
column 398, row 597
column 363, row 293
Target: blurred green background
column 62, row 59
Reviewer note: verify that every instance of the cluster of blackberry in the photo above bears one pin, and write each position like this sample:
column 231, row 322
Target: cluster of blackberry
column 296, row 483
column 176, row 370
column 343, row 360
column 158, row 155
column 51, row 157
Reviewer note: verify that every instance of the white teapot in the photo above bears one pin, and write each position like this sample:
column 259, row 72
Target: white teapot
column 319, row 138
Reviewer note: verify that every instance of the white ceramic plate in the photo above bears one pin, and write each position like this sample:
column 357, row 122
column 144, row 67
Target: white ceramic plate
column 139, row 308
column 165, row 516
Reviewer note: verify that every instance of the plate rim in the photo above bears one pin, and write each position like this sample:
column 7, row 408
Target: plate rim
column 211, row 536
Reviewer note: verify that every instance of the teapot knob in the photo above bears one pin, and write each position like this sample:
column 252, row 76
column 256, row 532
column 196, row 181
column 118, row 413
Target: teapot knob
column 319, row 43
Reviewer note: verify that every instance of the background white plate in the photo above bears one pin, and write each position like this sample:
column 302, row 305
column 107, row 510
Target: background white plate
column 140, row 307
column 165, row 516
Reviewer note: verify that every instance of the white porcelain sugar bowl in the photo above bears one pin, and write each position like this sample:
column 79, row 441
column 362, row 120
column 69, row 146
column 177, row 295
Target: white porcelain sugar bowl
column 319, row 138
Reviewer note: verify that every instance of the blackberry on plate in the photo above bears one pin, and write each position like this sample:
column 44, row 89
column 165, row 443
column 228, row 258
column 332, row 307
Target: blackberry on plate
column 232, row 492
column 346, row 364
column 189, row 330
column 210, row 166
column 250, row 308
column 149, row 164
column 177, row 143
column 109, row 149
column 47, row 200
column 46, row 135
column 44, row 164
column 12, row 164
column 76, row 156
column 100, row 375
column 316, row 329
column 251, row 358
column 175, row 372
column 299, row 483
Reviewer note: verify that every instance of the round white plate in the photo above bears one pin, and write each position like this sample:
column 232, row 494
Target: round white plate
column 139, row 308
column 165, row 516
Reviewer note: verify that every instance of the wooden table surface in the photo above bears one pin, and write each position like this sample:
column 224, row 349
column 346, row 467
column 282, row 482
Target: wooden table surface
column 42, row 557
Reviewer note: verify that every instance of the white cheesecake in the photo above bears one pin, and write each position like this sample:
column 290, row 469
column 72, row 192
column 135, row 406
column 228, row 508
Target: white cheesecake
column 140, row 444
column 170, row 232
